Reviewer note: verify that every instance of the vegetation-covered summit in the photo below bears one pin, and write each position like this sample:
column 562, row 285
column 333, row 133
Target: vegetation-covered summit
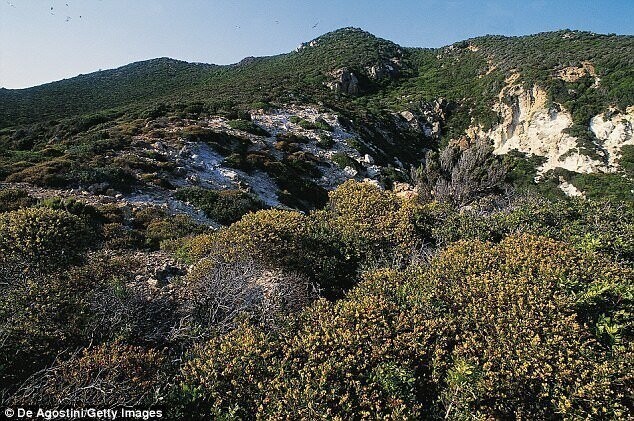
column 470, row 70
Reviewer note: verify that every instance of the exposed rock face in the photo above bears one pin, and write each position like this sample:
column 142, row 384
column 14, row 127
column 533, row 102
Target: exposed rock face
column 305, row 45
column 344, row 81
column 529, row 126
column 428, row 119
column 569, row 189
column 386, row 70
column 614, row 130
column 573, row 74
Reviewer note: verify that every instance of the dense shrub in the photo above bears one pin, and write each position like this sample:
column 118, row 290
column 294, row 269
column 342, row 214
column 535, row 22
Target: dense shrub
column 223, row 206
column 88, row 213
column 593, row 226
column 485, row 331
column 47, row 174
column 174, row 227
column 117, row 236
column 41, row 315
column 460, row 177
column 42, row 236
column 121, row 310
column 249, row 127
column 343, row 160
column 372, row 223
column 110, row 375
column 14, row 199
column 286, row 239
column 325, row 141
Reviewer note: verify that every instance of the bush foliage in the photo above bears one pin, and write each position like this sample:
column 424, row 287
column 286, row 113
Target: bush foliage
column 484, row 330
column 375, row 306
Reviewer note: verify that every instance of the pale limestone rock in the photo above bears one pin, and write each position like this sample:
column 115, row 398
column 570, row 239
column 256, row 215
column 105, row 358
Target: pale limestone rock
column 344, row 81
column 614, row 132
column 350, row 172
column 529, row 126
column 569, row 189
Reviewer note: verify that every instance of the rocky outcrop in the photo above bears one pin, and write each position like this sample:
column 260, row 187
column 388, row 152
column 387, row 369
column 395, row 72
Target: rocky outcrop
column 614, row 130
column 531, row 126
column 344, row 81
column 427, row 119
column 574, row 73
column 385, row 70
column 569, row 189
column 305, row 45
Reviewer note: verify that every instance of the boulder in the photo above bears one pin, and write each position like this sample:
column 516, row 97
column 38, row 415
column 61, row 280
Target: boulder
column 383, row 71
column 344, row 81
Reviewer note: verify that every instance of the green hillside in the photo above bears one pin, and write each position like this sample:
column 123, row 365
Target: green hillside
column 471, row 73
column 321, row 235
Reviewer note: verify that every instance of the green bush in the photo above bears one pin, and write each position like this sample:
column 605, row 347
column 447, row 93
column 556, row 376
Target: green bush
column 325, row 141
column 249, row 127
column 14, row 199
column 282, row 239
column 343, row 160
column 172, row 228
column 572, row 220
column 41, row 315
column 43, row 236
column 117, row 236
column 627, row 160
column 484, row 331
column 223, row 206
column 88, row 213
column 46, row 174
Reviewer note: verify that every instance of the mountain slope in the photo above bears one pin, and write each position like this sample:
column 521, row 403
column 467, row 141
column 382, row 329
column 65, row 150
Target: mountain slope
column 141, row 82
column 559, row 99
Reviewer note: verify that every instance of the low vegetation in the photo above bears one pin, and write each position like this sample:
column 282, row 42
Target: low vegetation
column 515, row 306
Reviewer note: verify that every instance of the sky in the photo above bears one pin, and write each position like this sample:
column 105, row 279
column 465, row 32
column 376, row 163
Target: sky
column 47, row 40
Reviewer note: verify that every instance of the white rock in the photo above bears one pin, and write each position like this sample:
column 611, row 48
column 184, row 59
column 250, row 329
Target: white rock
column 569, row 189
column 615, row 133
column 350, row 172
column 530, row 127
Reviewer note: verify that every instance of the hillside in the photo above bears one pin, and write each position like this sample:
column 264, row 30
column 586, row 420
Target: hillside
column 352, row 230
column 400, row 101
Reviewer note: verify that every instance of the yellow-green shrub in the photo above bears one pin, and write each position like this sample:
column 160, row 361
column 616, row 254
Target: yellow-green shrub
column 171, row 228
column 371, row 222
column 284, row 239
column 487, row 331
column 42, row 236
column 41, row 315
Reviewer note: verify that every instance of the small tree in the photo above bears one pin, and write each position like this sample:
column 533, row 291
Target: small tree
column 460, row 177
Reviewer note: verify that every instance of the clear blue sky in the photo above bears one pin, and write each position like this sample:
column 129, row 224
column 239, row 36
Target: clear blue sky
column 39, row 45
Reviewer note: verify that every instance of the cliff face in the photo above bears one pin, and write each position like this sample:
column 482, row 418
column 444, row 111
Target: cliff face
column 530, row 125
column 614, row 130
